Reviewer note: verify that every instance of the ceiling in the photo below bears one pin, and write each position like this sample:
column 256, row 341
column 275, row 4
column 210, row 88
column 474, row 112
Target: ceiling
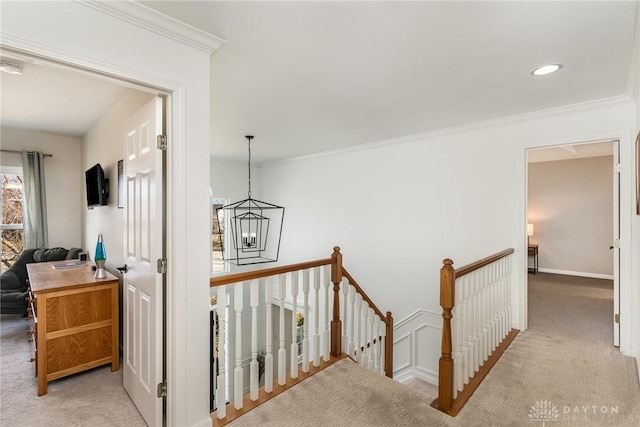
column 53, row 99
column 308, row 77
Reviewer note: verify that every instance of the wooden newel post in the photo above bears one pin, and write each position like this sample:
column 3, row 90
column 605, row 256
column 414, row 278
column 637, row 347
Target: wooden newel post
column 336, row 323
column 447, row 301
column 388, row 350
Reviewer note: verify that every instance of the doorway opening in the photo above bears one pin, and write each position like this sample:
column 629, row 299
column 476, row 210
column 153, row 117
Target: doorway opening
column 99, row 145
column 573, row 195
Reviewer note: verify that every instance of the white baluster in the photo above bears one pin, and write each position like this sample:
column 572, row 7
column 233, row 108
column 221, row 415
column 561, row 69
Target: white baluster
column 268, row 358
column 282, row 353
column 352, row 301
column 508, row 296
column 376, row 352
column 305, row 327
column 372, row 315
column 484, row 313
column 456, row 336
column 345, row 292
column 221, row 390
column 468, row 319
column 365, row 350
column 254, row 377
column 476, row 317
column 316, row 315
column 358, row 320
column 237, row 373
column 383, row 346
column 326, row 276
column 294, row 330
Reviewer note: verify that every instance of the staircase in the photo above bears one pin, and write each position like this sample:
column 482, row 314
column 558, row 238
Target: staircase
column 273, row 328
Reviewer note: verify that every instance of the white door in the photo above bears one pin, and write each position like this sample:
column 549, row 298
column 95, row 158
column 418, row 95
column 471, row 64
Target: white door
column 143, row 244
column 616, row 244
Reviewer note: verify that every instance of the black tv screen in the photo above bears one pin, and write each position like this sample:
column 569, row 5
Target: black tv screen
column 97, row 186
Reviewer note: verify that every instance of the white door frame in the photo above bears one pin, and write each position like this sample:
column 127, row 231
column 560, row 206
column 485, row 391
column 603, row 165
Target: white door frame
column 91, row 36
column 627, row 197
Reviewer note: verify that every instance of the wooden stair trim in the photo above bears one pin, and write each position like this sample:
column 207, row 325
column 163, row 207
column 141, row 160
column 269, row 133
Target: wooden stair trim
column 263, row 397
column 474, row 382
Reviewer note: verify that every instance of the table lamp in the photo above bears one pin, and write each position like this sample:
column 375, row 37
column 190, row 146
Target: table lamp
column 529, row 232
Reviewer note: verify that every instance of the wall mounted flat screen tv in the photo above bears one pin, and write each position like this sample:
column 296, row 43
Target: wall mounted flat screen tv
column 97, row 186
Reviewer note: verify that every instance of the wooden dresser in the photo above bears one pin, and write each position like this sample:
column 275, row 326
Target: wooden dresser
column 75, row 319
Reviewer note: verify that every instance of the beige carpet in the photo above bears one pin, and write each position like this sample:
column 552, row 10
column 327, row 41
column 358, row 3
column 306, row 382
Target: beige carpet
column 92, row 398
column 564, row 370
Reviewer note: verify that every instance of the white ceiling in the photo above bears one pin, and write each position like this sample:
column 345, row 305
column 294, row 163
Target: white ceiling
column 54, row 99
column 307, row 77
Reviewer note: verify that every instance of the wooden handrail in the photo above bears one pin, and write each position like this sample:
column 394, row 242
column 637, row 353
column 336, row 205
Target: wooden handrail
column 387, row 319
column 448, row 276
column 256, row 274
column 459, row 272
column 337, row 273
column 365, row 297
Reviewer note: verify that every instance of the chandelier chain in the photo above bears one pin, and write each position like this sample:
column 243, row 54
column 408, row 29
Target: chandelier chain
column 249, row 138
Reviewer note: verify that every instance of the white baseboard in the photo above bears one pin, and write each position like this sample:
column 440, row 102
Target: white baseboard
column 577, row 273
column 409, row 374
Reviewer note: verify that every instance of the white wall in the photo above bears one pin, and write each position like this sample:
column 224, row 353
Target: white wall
column 129, row 41
column 571, row 206
column 104, row 144
column 64, row 179
column 398, row 208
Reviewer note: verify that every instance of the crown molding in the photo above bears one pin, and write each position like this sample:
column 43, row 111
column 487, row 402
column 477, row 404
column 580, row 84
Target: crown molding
column 615, row 100
column 157, row 22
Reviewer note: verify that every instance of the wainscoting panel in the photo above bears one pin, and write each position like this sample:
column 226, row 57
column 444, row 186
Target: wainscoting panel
column 416, row 347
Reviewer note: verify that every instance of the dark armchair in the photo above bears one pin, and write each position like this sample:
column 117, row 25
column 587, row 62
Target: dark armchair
column 13, row 282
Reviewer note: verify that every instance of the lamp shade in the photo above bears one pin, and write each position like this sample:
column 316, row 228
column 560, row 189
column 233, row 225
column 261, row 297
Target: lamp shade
column 529, row 229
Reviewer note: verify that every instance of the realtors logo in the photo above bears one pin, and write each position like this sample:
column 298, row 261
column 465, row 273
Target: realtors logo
column 543, row 411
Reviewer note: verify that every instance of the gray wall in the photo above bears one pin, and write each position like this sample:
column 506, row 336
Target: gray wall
column 571, row 207
column 64, row 179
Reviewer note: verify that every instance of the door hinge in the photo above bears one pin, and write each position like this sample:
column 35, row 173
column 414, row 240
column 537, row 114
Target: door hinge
column 162, row 142
column 162, row 390
column 617, row 168
column 162, row 265
column 616, row 243
column 617, row 318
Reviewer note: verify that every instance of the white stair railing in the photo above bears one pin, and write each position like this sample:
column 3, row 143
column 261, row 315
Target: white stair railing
column 277, row 293
column 476, row 303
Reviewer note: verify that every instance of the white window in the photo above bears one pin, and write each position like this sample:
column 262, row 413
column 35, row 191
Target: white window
column 12, row 236
column 218, row 265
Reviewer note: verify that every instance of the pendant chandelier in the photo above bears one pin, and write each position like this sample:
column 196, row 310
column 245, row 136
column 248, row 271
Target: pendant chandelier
column 255, row 228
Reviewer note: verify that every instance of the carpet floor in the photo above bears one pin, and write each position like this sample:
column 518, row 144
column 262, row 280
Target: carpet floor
column 91, row 398
column 563, row 370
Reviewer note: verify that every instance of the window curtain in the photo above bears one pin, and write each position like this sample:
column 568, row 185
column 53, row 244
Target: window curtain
column 35, row 203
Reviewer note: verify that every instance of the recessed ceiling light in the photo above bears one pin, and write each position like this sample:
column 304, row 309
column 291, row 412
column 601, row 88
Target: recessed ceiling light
column 10, row 67
column 546, row 69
